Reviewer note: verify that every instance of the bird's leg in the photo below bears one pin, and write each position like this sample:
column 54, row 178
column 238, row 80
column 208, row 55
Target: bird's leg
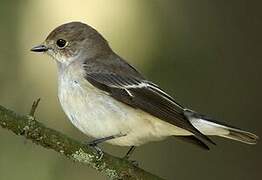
column 129, row 152
column 94, row 143
column 100, row 140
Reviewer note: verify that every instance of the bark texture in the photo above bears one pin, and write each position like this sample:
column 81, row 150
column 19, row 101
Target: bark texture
column 111, row 166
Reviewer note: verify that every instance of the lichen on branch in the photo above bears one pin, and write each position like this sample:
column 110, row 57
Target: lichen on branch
column 111, row 166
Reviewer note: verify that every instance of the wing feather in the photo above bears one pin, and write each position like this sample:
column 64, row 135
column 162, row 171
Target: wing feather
column 144, row 95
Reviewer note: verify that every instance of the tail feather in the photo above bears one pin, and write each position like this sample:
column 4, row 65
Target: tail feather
column 210, row 127
column 242, row 136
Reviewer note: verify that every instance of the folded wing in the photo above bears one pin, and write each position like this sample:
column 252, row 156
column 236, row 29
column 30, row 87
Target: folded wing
column 144, row 95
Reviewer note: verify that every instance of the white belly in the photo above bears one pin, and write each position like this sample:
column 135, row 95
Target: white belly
column 98, row 115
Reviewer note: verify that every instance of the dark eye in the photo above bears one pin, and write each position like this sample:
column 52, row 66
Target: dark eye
column 61, row 43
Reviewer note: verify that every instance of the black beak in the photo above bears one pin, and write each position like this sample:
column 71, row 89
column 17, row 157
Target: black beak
column 39, row 48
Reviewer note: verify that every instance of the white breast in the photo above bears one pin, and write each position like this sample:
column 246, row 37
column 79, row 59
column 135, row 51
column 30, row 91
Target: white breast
column 98, row 115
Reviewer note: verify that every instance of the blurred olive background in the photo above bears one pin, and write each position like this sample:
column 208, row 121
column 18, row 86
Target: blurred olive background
column 207, row 54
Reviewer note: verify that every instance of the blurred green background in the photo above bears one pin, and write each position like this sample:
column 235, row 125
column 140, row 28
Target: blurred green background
column 207, row 54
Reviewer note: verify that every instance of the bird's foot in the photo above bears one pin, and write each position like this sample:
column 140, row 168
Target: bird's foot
column 98, row 150
column 134, row 162
column 101, row 140
column 94, row 144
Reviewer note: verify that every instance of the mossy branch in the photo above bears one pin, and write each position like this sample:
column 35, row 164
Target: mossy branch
column 27, row 126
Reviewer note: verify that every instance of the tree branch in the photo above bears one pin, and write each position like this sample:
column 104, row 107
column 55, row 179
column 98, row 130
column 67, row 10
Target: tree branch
column 113, row 167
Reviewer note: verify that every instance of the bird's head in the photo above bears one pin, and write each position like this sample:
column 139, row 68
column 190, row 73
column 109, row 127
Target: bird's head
column 73, row 41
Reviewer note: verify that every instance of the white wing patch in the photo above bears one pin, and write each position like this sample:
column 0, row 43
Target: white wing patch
column 154, row 87
column 128, row 83
column 129, row 93
column 131, row 86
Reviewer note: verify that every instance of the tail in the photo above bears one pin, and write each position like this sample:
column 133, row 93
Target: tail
column 210, row 127
column 240, row 135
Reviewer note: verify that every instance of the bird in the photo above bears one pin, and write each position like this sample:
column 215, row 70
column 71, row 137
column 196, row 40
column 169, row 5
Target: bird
column 111, row 101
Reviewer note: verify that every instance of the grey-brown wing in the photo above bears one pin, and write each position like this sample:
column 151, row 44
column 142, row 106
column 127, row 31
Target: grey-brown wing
column 144, row 95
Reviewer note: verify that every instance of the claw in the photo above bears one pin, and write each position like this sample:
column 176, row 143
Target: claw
column 95, row 142
column 98, row 150
column 134, row 162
